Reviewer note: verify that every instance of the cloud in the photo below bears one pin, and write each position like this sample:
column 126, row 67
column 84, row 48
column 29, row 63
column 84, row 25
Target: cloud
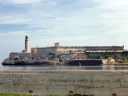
column 25, row 1
column 70, row 22
column 29, row 3
column 19, row 1
column 112, row 4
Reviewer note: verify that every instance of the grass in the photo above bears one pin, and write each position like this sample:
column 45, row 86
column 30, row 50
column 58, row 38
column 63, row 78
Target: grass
column 14, row 95
column 58, row 95
column 49, row 95
column 72, row 95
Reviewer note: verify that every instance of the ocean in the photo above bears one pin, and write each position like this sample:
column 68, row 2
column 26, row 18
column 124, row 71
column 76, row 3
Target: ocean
column 41, row 67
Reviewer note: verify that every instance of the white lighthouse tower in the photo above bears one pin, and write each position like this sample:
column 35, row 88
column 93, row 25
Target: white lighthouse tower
column 26, row 45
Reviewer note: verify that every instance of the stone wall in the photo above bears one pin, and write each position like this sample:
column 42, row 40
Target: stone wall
column 77, row 49
column 14, row 55
column 44, row 51
column 69, row 49
column 43, row 83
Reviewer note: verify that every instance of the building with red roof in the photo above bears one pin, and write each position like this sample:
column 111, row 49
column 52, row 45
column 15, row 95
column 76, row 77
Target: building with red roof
column 80, row 57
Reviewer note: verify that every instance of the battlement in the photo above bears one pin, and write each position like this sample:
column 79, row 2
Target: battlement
column 77, row 49
column 95, row 47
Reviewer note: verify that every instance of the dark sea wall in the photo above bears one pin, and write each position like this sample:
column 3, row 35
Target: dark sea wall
column 91, row 62
column 43, row 83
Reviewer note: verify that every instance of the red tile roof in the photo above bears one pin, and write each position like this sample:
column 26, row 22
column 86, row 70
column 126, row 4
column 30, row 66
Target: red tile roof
column 80, row 56
column 109, row 58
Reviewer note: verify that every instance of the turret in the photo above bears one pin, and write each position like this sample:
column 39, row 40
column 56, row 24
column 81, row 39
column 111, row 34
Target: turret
column 57, row 45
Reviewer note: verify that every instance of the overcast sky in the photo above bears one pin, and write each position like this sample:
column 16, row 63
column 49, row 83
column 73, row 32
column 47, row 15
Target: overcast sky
column 70, row 22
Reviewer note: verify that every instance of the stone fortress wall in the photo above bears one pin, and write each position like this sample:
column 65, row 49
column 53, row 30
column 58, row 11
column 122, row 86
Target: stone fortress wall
column 77, row 49
column 44, row 51
column 90, row 49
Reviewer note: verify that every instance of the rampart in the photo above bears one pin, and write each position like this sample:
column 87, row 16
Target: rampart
column 68, row 49
column 77, row 49
column 44, row 51
column 43, row 83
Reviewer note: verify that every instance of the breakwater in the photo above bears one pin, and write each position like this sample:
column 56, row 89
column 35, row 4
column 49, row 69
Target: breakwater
column 43, row 83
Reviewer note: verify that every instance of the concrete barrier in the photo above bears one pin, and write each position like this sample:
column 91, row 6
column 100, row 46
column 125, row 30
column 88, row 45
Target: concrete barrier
column 43, row 83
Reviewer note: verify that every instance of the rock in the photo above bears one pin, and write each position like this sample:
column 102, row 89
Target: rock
column 35, row 59
column 28, row 59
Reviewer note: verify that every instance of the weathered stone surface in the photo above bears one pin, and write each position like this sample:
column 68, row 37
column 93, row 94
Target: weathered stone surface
column 49, row 59
column 29, row 59
column 97, row 83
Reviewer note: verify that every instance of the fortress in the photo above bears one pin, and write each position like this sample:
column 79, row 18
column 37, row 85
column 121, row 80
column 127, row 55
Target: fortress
column 49, row 54
column 57, row 49
column 76, row 49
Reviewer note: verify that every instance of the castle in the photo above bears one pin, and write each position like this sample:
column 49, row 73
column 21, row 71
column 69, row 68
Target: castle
column 76, row 49
column 71, row 49
column 50, row 55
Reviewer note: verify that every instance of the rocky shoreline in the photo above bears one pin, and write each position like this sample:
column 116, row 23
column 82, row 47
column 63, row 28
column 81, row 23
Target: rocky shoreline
column 18, row 62
column 49, row 59
column 29, row 59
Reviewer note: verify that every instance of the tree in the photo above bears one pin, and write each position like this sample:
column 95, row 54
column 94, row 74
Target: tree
column 91, row 56
column 106, row 56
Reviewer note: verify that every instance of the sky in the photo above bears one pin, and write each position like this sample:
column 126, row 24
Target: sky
column 69, row 22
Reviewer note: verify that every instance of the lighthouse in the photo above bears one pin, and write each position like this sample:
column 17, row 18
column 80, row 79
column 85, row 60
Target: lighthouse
column 26, row 45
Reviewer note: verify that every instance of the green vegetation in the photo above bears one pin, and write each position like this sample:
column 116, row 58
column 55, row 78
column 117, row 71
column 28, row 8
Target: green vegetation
column 105, row 55
column 58, row 95
column 95, row 56
column 14, row 95
column 72, row 95
column 58, row 56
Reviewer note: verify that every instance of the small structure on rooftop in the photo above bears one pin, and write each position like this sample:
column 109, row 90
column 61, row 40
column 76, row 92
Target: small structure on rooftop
column 110, row 60
column 120, row 61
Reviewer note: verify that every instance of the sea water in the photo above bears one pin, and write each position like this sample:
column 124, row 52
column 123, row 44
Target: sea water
column 41, row 67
